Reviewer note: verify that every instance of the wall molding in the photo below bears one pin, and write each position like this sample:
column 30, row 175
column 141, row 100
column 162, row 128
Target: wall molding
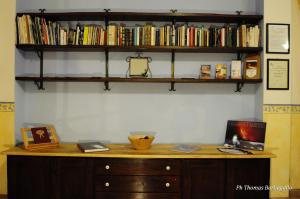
column 282, row 108
column 7, row 107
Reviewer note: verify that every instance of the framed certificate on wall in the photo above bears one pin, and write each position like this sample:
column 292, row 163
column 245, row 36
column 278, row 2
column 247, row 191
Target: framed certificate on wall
column 278, row 74
column 278, row 38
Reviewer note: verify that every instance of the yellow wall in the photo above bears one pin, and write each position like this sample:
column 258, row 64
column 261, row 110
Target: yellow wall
column 295, row 151
column 278, row 120
column 295, row 134
column 7, row 50
column 7, row 64
column 282, row 108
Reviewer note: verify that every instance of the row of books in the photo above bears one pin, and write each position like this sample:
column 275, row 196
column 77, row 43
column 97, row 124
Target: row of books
column 249, row 68
column 183, row 35
column 38, row 30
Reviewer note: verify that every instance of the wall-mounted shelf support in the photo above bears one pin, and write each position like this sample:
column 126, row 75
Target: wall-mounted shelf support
column 40, row 84
column 173, row 71
column 172, row 87
column 106, row 83
column 173, row 55
column 239, row 87
column 239, row 56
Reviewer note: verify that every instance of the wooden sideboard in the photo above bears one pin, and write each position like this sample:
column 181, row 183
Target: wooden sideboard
column 124, row 173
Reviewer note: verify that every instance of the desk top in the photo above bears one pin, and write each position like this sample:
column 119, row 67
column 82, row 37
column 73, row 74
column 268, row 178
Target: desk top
column 126, row 151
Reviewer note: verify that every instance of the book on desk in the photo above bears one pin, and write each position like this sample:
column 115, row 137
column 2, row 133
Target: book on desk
column 87, row 147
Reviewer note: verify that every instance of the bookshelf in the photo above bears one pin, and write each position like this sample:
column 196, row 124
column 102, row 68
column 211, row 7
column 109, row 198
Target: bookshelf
column 173, row 17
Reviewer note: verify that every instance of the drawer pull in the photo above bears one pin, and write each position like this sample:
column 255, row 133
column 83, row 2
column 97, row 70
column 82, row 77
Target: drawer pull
column 168, row 168
column 107, row 184
column 168, row 184
column 107, row 167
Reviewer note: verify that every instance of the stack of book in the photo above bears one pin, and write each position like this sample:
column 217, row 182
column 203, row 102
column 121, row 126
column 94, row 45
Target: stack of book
column 38, row 30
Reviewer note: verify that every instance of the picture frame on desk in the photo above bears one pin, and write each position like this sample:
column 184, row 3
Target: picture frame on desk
column 39, row 138
column 278, row 38
column 278, row 74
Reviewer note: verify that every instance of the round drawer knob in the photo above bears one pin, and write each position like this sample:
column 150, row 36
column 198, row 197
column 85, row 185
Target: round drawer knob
column 107, row 167
column 168, row 168
column 168, row 184
column 107, row 184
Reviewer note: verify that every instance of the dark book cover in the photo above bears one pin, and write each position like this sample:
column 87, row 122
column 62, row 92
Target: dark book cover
column 92, row 147
column 40, row 135
column 246, row 134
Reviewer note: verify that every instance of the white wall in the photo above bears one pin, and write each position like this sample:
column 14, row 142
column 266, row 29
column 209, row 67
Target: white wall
column 194, row 113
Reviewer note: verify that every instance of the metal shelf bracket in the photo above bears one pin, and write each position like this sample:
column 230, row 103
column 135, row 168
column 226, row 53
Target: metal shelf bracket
column 239, row 87
column 172, row 87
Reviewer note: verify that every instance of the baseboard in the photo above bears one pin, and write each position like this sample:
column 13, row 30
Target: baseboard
column 295, row 193
column 3, row 196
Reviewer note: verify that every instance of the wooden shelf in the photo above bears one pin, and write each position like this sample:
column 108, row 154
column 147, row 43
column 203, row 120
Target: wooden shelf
column 136, row 16
column 142, row 80
column 97, row 48
column 168, row 17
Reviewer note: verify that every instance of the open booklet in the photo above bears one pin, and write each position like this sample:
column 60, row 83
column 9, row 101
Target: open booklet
column 234, row 151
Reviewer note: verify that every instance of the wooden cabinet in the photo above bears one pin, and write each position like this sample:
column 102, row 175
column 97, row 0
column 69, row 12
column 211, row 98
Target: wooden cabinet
column 73, row 178
column 138, row 178
column 135, row 178
column 49, row 178
column 30, row 177
column 247, row 178
column 205, row 179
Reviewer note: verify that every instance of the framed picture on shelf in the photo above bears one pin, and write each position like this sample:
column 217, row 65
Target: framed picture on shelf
column 278, row 74
column 278, row 38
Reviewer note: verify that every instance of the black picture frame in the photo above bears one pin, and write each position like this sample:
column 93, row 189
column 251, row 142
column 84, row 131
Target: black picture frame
column 268, row 38
column 271, row 72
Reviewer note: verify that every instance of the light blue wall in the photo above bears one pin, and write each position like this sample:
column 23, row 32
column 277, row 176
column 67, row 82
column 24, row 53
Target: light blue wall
column 154, row 5
column 195, row 113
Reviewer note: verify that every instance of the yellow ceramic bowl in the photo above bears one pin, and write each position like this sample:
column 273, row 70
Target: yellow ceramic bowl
column 141, row 142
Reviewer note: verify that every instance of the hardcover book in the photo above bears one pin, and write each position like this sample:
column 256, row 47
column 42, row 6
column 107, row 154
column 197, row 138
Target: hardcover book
column 246, row 134
column 92, row 147
column 40, row 135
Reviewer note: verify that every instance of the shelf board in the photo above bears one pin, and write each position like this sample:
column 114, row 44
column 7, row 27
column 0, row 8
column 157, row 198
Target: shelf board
column 145, row 80
column 98, row 48
column 147, row 16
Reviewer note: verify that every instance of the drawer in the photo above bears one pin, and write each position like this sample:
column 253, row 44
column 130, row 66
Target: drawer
column 137, row 166
column 101, row 195
column 160, row 184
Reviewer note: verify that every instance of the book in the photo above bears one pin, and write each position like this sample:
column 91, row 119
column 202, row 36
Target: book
column 40, row 135
column 205, row 72
column 234, row 151
column 252, row 67
column 92, row 147
column 245, row 134
column 221, row 71
column 236, row 69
